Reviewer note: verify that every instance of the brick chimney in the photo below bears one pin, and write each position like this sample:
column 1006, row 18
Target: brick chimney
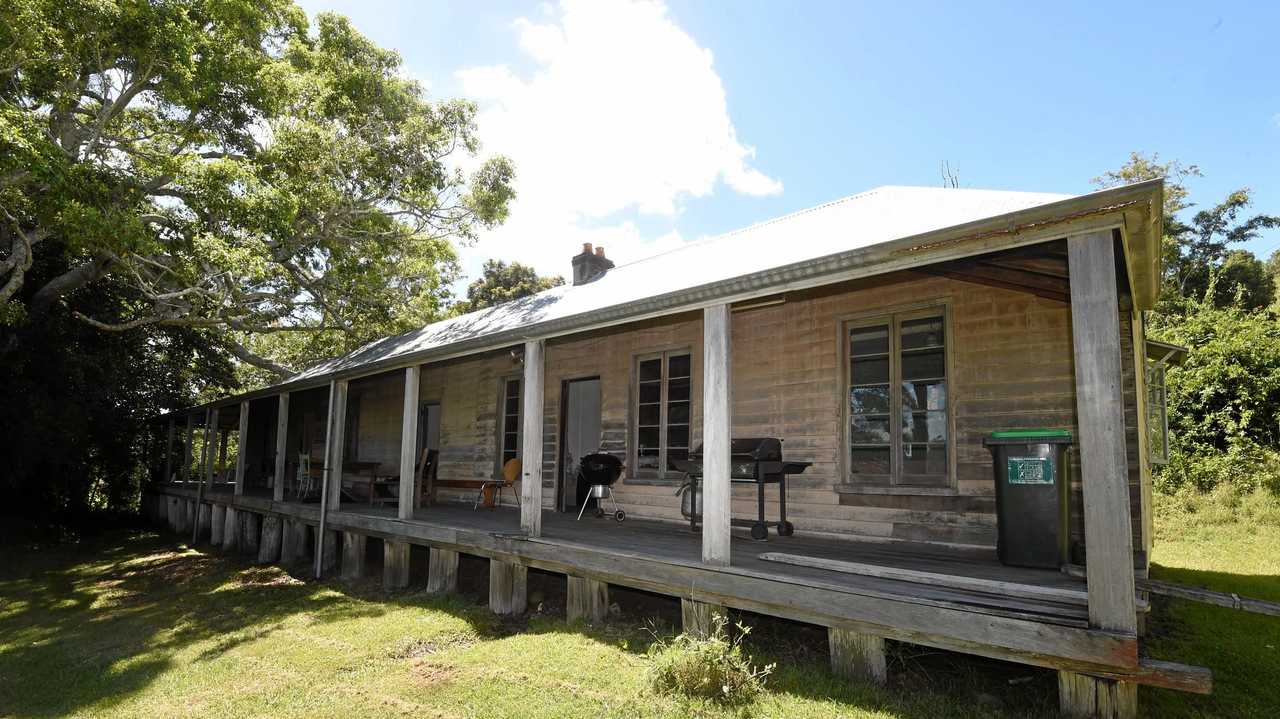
column 590, row 265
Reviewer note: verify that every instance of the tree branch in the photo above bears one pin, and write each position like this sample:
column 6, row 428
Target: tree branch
column 68, row 281
column 245, row 355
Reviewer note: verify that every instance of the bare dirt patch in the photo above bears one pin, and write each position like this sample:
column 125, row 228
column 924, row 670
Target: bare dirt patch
column 413, row 648
column 430, row 674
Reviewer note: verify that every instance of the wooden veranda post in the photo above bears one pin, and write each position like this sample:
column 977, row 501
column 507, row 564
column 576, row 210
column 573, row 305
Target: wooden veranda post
column 168, row 453
column 336, row 444
column 531, row 455
column 716, row 433
column 1104, row 471
column 206, row 454
column 212, row 430
column 187, row 447
column 409, row 440
column 282, row 443
column 331, row 484
column 241, row 443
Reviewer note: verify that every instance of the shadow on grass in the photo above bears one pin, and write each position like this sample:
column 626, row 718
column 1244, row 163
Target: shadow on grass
column 94, row 624
column 1242, row 649
column 97, row 622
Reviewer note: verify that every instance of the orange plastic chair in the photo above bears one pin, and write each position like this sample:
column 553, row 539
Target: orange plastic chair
column 493, row 487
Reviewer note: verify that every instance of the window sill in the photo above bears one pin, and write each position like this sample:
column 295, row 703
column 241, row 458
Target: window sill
column 654, row 481
column 904, row 490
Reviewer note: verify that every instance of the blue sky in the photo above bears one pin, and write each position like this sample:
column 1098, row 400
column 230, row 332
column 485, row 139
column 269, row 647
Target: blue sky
column 643, row 127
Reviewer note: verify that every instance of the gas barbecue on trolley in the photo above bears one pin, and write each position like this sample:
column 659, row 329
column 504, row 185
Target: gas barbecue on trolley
column 752, row 459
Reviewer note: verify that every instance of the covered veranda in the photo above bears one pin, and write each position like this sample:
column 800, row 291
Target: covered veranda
column 863, row 592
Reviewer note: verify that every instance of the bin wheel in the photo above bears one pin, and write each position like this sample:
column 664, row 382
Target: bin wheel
column 759, row 530
column 786, row 529
column 620, row 515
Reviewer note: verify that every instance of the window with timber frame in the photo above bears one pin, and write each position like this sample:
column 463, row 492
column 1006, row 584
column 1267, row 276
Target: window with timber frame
column 1157, row 414
column 662, row 413
column 897, row 413
column 509, row 409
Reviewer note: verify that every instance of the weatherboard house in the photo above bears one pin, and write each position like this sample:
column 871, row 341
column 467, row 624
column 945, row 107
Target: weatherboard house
column 882, row 338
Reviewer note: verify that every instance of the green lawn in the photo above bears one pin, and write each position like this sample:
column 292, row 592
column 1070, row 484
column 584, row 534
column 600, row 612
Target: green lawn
column 1229, row 544
column 134, row 624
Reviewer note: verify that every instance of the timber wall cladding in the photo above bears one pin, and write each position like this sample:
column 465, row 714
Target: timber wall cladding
column 1011, row 368
column 466, row 390
column 611, row 356
column 379, row 401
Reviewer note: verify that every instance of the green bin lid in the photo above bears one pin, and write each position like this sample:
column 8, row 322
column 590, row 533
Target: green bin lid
column 1031, row 436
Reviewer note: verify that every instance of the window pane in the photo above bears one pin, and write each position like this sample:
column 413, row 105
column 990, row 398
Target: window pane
column 869, row 400
column 868, row 460
column 678, row 390
column 648, row 459
column 922, row 333
column 927, row 364
column 650, row 414
column 924, row 426
column 678, row 435
column 650, row 392
column 678, row 366
column 678, row 412
column 647, row 439
column 1157, row 422
column 651, row 369
column 869, row 430
column 918, row 396
column 921, row 460
column 870, row 371
column 868, row 340
column 511, row 424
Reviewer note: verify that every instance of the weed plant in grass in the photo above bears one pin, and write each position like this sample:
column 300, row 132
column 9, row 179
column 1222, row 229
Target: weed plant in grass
column 714, row 668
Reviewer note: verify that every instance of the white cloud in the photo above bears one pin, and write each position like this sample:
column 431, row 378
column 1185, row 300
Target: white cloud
column 623, row 115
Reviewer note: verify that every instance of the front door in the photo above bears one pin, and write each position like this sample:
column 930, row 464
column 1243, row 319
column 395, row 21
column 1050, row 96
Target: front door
column 581, row 421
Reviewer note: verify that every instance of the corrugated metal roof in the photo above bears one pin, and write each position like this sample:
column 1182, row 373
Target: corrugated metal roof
column 870, row 218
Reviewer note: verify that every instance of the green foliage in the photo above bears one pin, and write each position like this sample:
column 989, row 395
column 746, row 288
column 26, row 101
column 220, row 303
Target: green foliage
column 715, row 668
column 1228, row 389
column 76, row 402
column 204, row 180
column 231, row 169
column 501, row 282
column 1243, row 467
column 1194, row 253
column 1228, row 502
column 1224, row 401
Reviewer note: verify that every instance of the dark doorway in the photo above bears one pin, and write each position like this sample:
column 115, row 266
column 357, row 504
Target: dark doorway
column 580, row 420
column 428, row 427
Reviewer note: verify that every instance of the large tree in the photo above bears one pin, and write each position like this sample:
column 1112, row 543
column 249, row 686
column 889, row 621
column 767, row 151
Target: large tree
column 502, row 282
column 226, row 170
column 1201, row 249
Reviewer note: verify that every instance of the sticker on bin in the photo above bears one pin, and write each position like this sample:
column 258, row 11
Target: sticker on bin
column 1030, row 470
